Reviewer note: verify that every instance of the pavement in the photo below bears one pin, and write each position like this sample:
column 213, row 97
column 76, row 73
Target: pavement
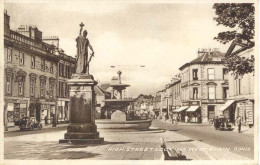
column 117, row 146
column 17, row 128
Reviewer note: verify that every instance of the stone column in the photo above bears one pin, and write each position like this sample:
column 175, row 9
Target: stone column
column 82, row 128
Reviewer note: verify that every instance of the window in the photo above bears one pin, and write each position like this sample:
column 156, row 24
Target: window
column 61, row 89
column 43, row 64
column 66, row 71
column 195, row 74
column 69, row 72
column 61, row 69
column 21, row 58
column 20, row 88
column 51, row 89
column 42, row 88
column 225, row 74
column 51, row 67
column 211, row 92
column 9, row 54
column 211, row 74
column 32, row 87
column 238, row 86
column 195, row 93
column 225, row 92
column 65, row 90
column 33, row 61
column 9, row 85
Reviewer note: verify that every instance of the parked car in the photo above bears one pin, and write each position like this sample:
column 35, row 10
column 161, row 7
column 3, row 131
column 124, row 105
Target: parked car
column 224, row 124
column 29, row 123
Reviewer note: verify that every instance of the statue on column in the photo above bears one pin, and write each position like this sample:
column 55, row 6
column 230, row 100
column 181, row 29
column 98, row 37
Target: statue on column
column 82, row 52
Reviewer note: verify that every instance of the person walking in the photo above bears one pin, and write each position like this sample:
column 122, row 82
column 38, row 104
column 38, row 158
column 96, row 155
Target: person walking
column 239, row 122
column 186, row 119
column 216, row 123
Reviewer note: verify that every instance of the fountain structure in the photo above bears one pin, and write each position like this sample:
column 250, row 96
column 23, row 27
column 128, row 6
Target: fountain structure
column 118, row 105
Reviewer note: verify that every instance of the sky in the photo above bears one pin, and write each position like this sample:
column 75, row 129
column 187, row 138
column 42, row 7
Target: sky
column 161, row 36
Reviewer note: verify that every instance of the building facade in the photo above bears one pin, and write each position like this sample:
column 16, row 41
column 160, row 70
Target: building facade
column 176, row 96
column 241, row 89
column 31, row 75
column 204, row 86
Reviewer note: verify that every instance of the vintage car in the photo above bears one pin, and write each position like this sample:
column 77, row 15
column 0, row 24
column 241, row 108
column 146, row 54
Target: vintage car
column 29, row 123
column 224, row 124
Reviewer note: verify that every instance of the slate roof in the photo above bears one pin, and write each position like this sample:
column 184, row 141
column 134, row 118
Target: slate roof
column 206, row 58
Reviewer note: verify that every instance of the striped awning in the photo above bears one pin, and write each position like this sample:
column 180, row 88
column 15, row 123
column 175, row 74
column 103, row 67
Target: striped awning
column 181, row 109
column 192, row 108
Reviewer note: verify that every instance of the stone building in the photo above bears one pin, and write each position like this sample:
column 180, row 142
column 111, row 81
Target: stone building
column 157, row 104
column 241, row 89
column 204, row 86
column 31, row 75
column 176, row 96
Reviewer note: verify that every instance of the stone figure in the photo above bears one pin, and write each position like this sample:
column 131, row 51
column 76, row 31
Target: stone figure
column 82, row 52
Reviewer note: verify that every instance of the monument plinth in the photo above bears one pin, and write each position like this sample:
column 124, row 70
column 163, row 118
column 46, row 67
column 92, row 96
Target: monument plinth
column 82, row 128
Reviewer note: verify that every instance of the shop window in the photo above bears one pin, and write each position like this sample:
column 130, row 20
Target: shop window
column 33, row 61
column 195, row 93
column 9, row 54
column 211, row 92
column 211, row 112
column 195, row 74
column 211, row 74
column 21, row 58
column 9, row 85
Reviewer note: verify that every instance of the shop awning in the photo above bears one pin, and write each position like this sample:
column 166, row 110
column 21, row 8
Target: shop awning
column 181, row 109
column 192, row 108
column 226, row 105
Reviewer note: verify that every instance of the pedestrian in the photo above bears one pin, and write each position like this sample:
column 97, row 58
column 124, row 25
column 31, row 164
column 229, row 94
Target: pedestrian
column 239, row 122
column 46, row 120
column 186, row 119
column 216, row 123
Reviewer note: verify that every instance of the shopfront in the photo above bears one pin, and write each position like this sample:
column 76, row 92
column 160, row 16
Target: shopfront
column 181, row 113
column 15, row 110
column 228, row 110
column 245, row 109
column 63, row 111
column 194, row 114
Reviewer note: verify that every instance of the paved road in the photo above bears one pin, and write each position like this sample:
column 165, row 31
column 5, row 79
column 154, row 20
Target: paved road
column 208, row 135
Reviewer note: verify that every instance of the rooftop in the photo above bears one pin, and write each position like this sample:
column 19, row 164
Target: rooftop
column 206, row 57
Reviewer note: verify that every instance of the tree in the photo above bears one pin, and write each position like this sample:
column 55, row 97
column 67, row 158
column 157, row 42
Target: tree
column 241, row 18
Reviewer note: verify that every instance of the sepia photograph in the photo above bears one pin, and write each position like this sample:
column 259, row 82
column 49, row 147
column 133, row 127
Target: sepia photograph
column 129, row 81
